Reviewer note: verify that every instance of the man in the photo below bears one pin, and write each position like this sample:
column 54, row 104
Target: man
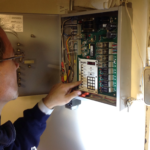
column 25, row 133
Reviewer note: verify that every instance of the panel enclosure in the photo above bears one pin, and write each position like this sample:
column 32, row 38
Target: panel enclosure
column 146, row 85
column 41, row 43
column 118, row 86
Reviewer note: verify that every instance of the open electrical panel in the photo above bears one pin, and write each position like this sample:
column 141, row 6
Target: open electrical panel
column 93, row 47
column 89, row 49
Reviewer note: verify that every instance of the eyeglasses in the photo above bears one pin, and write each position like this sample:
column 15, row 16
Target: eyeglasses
column 16, row 58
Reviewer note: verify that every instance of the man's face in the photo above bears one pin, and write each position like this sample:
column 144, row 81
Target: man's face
column 8, row 68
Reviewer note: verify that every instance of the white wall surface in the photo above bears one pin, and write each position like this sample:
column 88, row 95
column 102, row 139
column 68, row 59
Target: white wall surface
column 93, row 126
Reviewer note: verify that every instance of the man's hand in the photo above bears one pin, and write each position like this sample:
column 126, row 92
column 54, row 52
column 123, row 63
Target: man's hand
column 60, row 94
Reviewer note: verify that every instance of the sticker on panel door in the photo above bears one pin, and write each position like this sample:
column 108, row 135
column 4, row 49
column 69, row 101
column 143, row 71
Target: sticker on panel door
column 11, row 22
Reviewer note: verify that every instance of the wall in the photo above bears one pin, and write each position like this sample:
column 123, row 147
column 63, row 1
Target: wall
column 93, row 126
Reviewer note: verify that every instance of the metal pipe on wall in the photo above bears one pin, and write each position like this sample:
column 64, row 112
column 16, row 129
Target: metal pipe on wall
column 71, row 5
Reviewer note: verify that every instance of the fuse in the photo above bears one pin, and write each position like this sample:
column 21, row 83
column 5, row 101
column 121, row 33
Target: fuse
column 111, row 44
column 110, row 51
column 111, row 90
column 110, row 83
column 110, row 57
column 110, row 77
column 110, row 64
column 110, row 70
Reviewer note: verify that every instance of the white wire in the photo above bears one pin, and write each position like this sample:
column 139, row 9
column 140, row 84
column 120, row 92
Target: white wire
column 136, row 42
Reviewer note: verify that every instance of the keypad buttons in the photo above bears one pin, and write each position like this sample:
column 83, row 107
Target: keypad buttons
column 91, row 83
column 89, row 87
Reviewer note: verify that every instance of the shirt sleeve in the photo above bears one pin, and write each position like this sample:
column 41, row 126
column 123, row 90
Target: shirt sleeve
column 44, row 109
column 29, row 129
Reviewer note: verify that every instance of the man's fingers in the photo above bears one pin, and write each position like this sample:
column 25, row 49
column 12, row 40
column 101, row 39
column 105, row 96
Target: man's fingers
column 73, row 95
column 72, row 85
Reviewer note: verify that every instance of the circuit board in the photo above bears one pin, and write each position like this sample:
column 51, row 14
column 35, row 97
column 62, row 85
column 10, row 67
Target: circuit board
column 99, row 42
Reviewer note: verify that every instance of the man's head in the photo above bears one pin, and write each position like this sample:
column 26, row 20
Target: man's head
column 8, row 77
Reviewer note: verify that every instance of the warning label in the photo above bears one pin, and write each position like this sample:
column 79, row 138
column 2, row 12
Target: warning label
column 11, row 22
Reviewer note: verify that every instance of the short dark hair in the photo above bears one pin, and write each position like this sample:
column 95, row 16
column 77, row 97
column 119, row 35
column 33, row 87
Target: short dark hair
column 2, row 48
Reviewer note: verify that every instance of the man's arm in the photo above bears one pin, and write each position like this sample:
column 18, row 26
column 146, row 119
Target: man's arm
column 32, row 125
column 29, row 129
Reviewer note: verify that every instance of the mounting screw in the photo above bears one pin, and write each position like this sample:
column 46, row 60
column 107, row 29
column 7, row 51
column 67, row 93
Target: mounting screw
column 18, row 50
column 33, row 36
column 82, row 31
column 20, row 59
column 93, row 30
column 18, row 44
column 29, row 66
column 93, row 18
column 114, row 94
column 19, row 84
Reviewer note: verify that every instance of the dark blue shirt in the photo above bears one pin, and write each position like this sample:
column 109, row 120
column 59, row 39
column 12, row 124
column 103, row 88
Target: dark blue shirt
column 25, row 132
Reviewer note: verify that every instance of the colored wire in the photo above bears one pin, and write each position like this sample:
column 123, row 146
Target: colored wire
column 62, row 40
column 67, row 47
column 68, row 55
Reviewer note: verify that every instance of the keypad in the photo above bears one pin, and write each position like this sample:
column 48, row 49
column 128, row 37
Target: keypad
column 91, row 83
